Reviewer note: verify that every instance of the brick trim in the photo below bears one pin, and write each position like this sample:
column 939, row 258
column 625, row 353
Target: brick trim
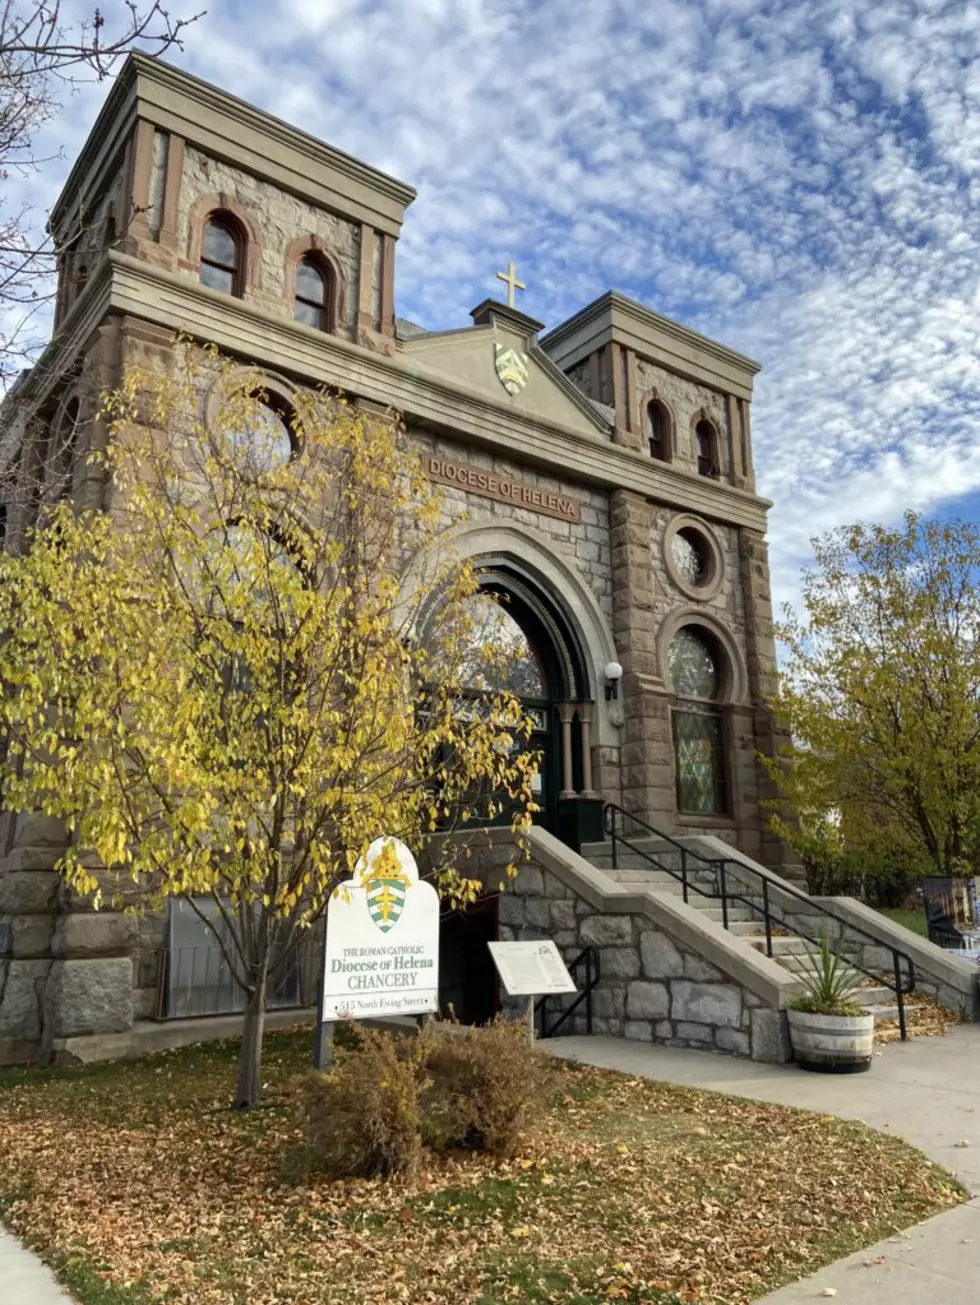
column 216, row 202
column 171, row 193
column 296, row 251
column 142, row 164
column 365, row 285
column 388, row 287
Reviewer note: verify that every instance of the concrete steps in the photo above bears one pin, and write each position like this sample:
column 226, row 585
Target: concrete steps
column 788, row 950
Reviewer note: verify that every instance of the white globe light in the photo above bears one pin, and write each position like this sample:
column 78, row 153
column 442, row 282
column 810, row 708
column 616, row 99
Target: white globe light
column 613, row 671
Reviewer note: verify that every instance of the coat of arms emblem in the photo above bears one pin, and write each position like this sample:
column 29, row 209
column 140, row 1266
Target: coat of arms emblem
column 511, row 368
column 385, row 884
column 386, row 901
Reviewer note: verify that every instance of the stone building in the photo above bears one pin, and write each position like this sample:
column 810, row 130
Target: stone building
column 604, row 466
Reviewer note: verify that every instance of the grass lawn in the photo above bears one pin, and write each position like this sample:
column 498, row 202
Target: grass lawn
column 914, row 919
column 138, row 1184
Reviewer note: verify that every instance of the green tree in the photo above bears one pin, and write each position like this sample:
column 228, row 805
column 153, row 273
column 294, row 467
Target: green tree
column 251, row 661
column 881, row 699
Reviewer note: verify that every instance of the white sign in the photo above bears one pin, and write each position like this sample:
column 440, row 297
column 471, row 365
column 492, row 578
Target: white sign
column 531, row 969
column 382, row 939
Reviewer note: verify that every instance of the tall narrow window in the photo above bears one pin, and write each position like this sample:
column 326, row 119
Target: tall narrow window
column 221, row 255
column 658, row 431
column 63, row 468
column 311, row 294
column 707, row 449
column 698, row 727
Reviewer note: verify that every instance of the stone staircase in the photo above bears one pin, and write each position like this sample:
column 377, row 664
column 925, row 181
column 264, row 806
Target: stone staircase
column 792, row 952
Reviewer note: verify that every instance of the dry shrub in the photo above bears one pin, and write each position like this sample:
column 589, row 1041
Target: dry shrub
column 483, row 1085
column 364, row 1118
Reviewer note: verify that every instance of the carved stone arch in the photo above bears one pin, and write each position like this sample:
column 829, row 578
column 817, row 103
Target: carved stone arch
column 336, row 301
column 734, row 679
column 220, row 202
column 500, row 542
column 653, row 397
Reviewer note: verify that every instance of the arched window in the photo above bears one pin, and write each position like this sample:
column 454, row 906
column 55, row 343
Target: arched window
column 312, row 293
column 501, row 656
column 694, row 664
column 658, row 431
column 222, row 254
column 707, row 441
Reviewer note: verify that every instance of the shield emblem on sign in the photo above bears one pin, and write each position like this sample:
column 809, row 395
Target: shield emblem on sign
column 511, row 368
column 386, row 901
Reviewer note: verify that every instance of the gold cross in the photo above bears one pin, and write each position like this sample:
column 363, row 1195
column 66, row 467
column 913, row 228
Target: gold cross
column 387, row 901
column 509, row 279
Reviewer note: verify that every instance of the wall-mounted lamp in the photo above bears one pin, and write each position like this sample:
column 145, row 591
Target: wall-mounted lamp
column 613, row 673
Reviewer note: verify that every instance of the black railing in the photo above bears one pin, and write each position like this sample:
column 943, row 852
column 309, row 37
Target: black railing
column 713, row 878
column 588, row 959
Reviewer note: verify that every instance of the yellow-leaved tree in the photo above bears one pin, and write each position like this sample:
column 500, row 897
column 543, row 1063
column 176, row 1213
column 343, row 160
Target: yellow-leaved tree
column 249, row 660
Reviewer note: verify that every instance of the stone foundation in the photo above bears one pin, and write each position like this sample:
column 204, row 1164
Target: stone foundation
column 653, row 986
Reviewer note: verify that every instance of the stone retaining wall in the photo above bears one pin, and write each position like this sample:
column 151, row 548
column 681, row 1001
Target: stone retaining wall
column 654, row 988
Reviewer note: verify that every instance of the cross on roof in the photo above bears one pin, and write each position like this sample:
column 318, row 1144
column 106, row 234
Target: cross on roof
column 509, row 279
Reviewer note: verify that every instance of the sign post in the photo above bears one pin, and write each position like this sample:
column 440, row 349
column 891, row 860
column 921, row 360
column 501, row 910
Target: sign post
column 381, row 955
column 531, row 969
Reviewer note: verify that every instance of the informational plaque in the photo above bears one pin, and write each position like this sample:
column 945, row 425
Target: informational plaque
column 531, row 969
column 382, row 952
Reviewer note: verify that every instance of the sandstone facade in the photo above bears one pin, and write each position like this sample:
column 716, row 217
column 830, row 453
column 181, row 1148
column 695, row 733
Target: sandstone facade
column 166, row 156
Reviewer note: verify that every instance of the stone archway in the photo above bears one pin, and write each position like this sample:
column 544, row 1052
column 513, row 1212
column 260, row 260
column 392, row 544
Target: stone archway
column 490, row 543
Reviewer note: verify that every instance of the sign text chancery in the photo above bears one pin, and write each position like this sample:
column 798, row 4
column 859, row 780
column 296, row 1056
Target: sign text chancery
column 477, row 480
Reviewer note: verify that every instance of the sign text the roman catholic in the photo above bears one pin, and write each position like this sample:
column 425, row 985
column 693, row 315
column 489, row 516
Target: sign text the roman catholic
column 382, row 952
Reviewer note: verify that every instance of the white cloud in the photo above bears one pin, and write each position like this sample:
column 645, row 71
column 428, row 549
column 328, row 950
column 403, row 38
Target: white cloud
column 799, row 179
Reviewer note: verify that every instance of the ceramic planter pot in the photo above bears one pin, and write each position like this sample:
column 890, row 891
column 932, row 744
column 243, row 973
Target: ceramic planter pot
column 832, row 1044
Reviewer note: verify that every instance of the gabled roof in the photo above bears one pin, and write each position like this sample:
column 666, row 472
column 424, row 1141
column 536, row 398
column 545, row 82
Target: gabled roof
column 468, row 356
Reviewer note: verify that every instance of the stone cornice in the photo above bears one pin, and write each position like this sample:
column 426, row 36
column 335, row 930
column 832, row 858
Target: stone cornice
column 173, row 301
column 616, row 317
column 228, row 128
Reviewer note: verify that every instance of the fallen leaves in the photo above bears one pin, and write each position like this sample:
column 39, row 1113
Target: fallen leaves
column 627, row 1191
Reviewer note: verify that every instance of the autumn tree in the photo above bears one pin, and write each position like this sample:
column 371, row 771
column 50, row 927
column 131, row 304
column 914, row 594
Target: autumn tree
column 881, row 697
column 43, row 57
column 252, row 661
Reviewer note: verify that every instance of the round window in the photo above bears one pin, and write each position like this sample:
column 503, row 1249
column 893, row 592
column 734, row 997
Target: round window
column 693, row 557
column 690, row 557
column 264, row 439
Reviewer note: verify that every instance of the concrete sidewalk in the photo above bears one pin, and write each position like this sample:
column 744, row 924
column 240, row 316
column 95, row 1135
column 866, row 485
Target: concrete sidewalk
column 926, row 1090
column 24, row 1280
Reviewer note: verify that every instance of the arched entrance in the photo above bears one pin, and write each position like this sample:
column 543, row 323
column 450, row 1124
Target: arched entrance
column 547, row 671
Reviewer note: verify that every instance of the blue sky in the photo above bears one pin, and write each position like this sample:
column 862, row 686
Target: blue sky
column 798, row 178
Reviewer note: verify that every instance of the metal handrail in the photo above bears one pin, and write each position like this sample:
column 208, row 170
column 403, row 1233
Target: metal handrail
column 717, row 866
column 588, row 957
